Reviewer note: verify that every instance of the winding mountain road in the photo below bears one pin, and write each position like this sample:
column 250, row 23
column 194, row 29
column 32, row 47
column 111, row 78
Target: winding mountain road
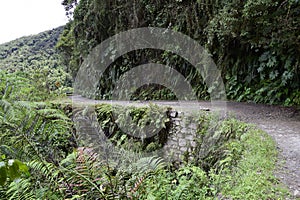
column 282, row 123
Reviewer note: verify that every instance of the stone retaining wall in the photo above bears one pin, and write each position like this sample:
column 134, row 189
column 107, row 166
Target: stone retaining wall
column 181, row 139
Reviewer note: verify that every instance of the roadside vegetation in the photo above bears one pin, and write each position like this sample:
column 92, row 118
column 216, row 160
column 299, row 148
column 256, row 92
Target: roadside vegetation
column 42, row 154
column 42, row 158
column 255, row 44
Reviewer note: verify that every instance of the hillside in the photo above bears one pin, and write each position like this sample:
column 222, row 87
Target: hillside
column 34, row 60
column 34, row 51
column 255, row 44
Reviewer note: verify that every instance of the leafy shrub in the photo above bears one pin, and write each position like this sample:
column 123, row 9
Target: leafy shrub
column 112, row 123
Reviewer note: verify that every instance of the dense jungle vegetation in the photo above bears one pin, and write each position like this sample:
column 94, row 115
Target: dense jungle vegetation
column 42, row 155
column 256, row 44
column 35, row 61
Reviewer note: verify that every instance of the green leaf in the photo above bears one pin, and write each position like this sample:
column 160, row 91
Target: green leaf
column 16, row 168
column 3, row 173
column 22, row 167
column 13, row 170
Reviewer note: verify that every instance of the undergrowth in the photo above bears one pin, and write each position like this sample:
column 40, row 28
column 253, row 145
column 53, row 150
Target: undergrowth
column 252, row 177
column 232, row 160
column 242, row 168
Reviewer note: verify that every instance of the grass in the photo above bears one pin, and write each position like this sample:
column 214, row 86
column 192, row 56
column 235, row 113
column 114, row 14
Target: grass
column 253, row 177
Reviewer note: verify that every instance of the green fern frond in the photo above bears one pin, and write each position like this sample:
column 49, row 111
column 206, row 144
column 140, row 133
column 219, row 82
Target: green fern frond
column 20, row 189
column 48, row 170
column 5, row 104
column 52, row 114
column 27, row 105
column 7, row 150
column 150, row 164
column 82, row 173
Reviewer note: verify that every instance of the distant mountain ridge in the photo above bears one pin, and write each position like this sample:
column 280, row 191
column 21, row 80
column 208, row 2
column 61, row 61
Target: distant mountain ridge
column 35, row 51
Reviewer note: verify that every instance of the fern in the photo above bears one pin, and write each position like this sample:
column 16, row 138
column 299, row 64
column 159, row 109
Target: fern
column 47, row 170
column 137, row 184
column 150, row 164
column 82, row 174
column 20, row 189
column 145, row 166
column 30, row 134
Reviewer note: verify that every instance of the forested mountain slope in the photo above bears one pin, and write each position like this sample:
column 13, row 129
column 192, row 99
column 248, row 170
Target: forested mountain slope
column 31, row 51
column 256, row 44
column 31, row 67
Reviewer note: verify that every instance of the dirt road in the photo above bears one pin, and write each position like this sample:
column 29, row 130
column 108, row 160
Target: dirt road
column 282, row 123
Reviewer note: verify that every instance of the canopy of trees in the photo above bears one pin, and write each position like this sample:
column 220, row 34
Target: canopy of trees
column 36, row 60
column 34, row 51
column 256, row 44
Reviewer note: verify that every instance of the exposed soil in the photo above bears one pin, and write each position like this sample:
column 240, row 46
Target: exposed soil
column 282, row 123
